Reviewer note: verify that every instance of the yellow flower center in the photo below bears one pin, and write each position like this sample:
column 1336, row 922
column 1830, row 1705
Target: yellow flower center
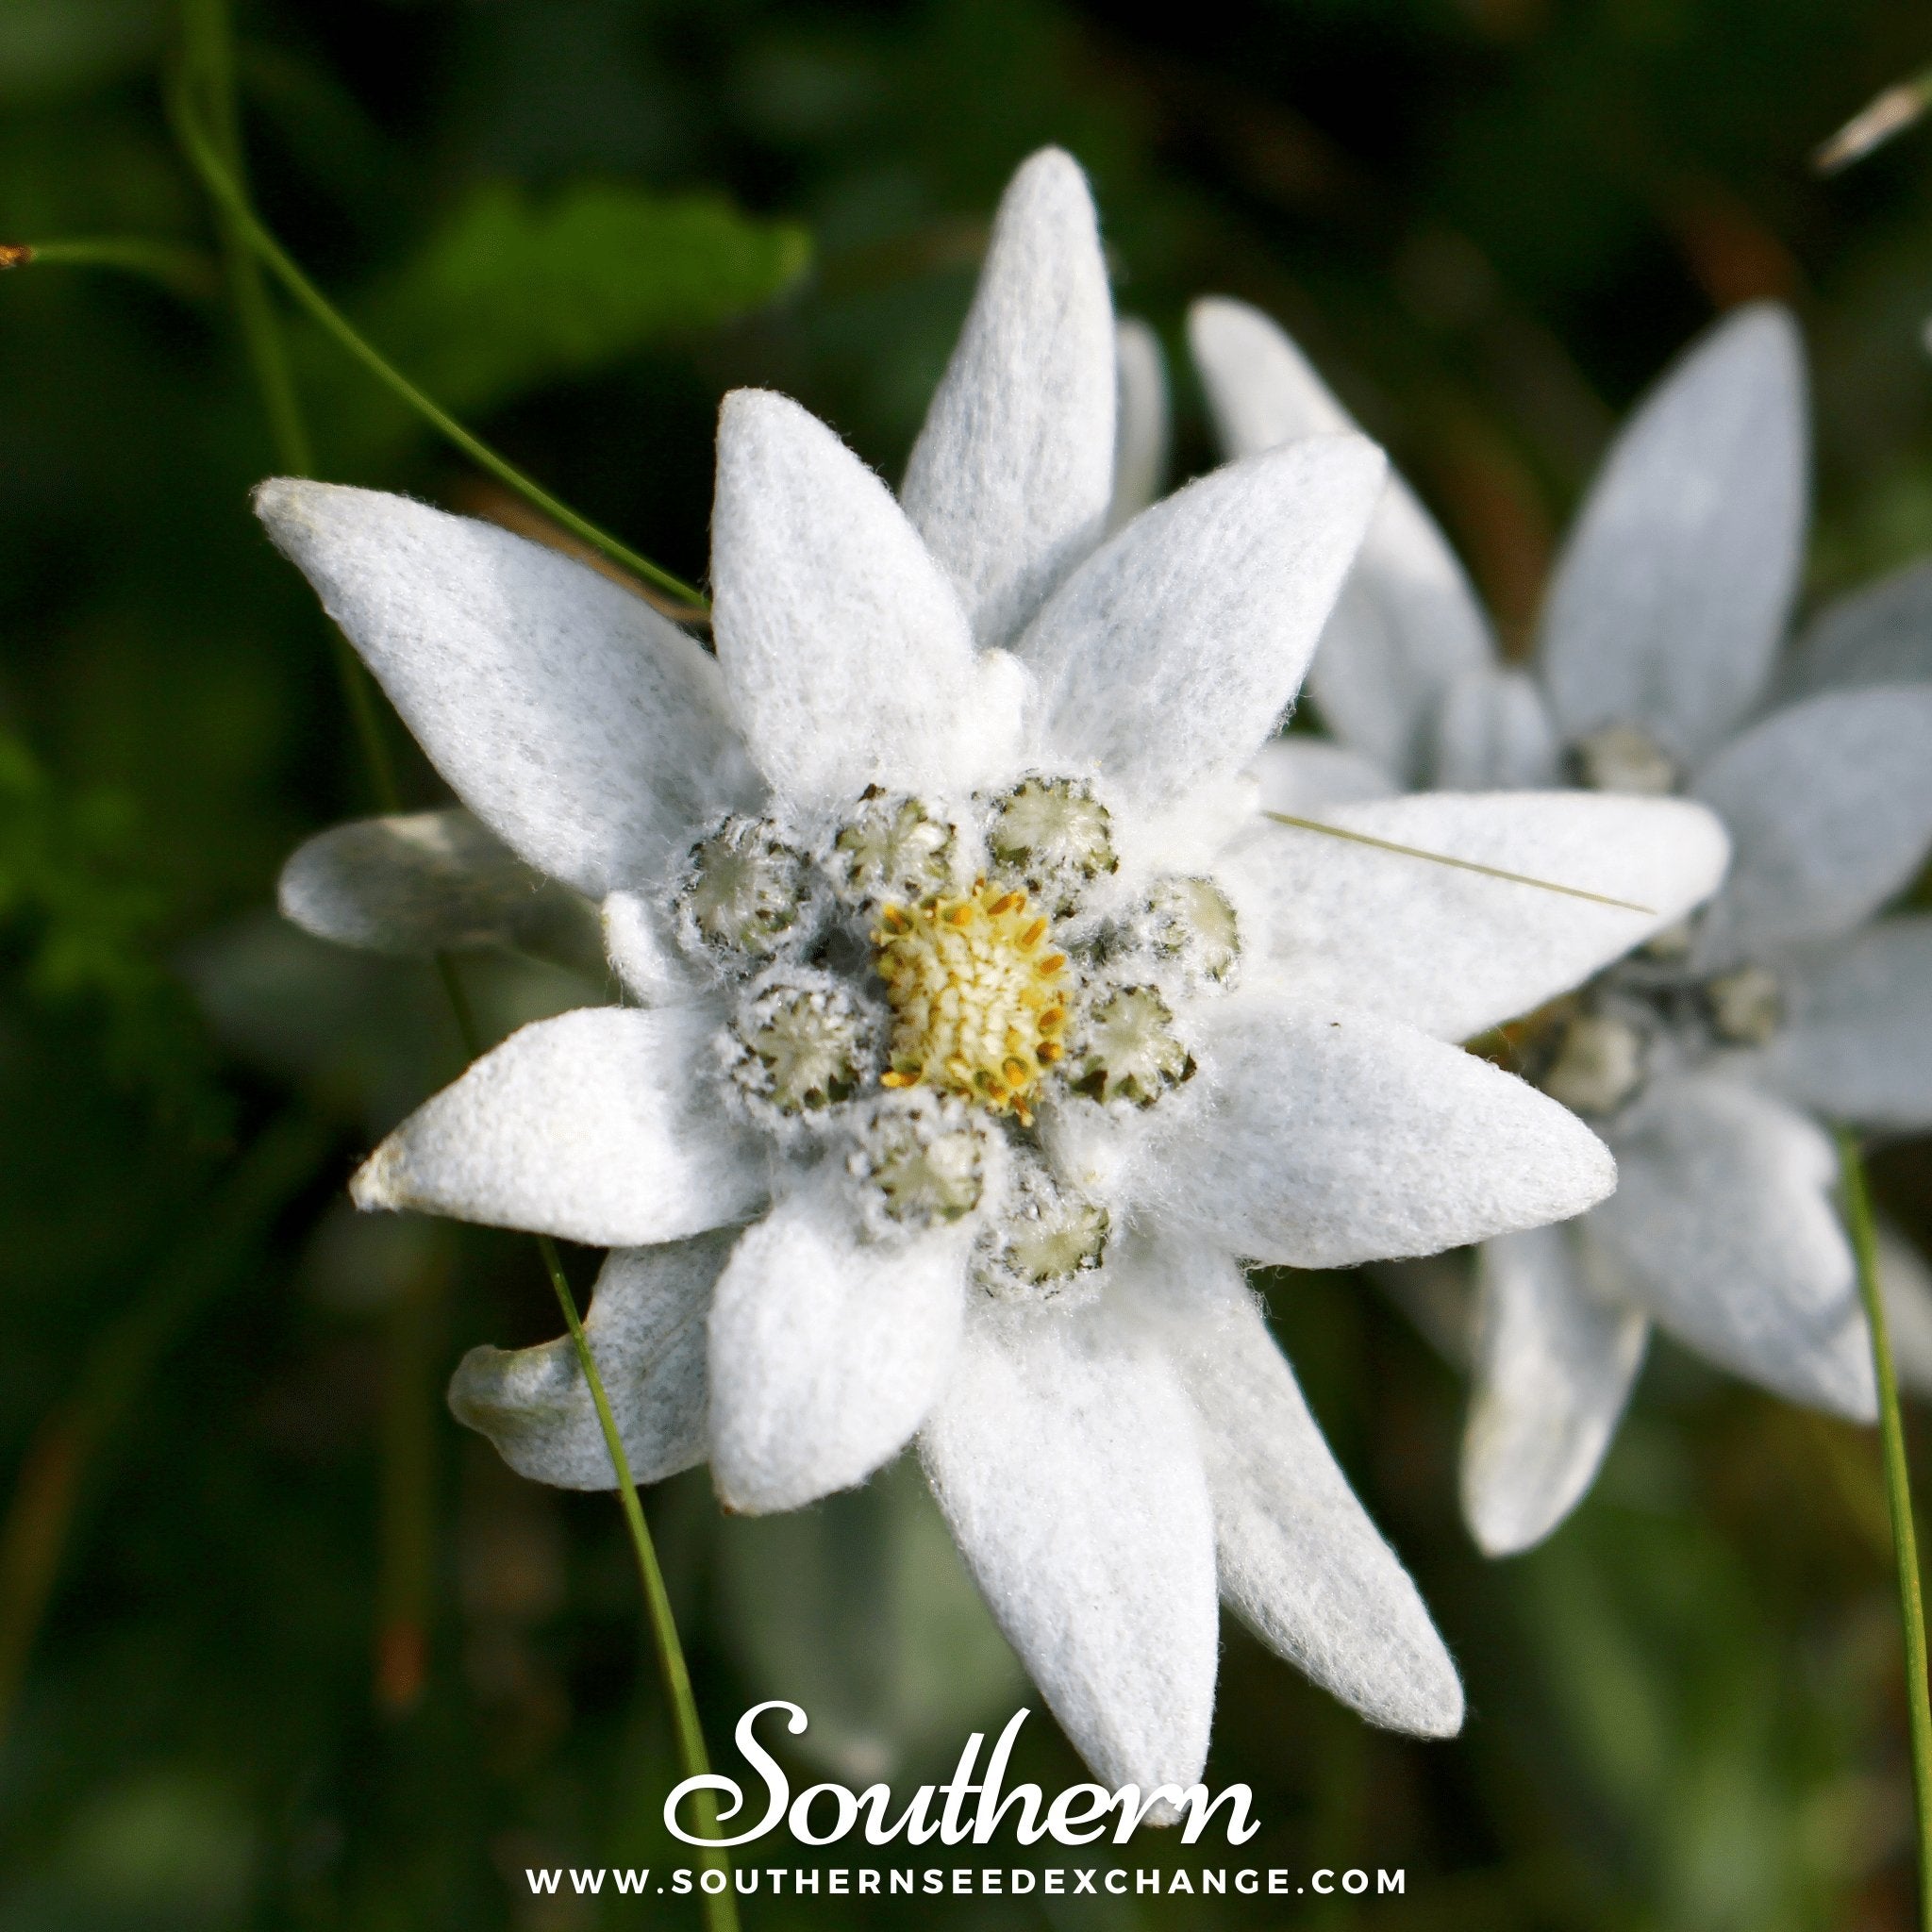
column 979, row 993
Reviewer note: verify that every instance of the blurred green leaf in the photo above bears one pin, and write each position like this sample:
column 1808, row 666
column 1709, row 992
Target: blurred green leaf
column 166, row 1848
column 54, row 47
column 512, row 292
column 80, row 930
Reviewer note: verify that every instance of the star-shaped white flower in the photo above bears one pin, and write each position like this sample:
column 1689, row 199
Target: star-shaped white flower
column 1705, row 1059
column 980, row 1027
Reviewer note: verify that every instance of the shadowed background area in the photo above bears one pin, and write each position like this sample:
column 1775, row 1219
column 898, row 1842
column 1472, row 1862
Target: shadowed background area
column 281, row 1645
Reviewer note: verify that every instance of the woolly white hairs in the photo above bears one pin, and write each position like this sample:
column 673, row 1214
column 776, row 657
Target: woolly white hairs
column 1010, row 479
column 1700, row 1058
column 591, row 1126
column 959, row 994
column 1553, row 1372
column 588, row 732
column 1408, row 619
column 1299, row 1561
column 647, row 1325
column 1170, row 654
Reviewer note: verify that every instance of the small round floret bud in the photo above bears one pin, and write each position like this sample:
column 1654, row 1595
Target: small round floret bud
column 890, row 847
column 918, row 1161
column 800, row 1043
column 1188, row 926
column 1127, row 1049
column 1747, row 1007
column 1053, row 835
column 1598, row 1064
column 745, row 897
column 1048, row 1242
column 1620, row 757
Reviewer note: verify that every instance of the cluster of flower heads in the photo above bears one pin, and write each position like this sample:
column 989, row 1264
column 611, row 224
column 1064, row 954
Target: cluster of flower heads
column 1712, row 1057
column 909, row 985
column 985, row 1009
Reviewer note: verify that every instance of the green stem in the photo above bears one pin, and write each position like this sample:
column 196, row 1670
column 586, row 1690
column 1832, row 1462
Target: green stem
column 721, row 1909
column 244, row 231
column 1488, row 872
column 228, row 193
column 210, row 76
column 210, row 68
column 1858, row 1213
column 182, row 270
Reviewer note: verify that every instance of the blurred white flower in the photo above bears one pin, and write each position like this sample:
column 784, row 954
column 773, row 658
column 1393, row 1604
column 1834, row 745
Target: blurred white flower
column 1706, row 1057
column 982, row 1026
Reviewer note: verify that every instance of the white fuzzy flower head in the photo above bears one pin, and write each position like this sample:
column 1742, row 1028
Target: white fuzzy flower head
column 978, row 1028
column 1707, row 1056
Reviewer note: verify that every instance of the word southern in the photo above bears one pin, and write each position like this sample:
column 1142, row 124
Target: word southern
column 823, row 1814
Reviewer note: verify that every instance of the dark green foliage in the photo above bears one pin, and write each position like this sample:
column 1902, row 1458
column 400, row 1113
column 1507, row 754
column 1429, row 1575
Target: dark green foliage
column 577, row 221
column 511, row 293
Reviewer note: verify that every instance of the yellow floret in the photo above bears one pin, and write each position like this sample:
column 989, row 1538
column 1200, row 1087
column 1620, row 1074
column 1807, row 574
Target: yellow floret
column 978, row 997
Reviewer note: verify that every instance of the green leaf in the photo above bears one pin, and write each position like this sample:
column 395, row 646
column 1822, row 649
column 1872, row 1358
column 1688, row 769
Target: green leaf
column 513, row 292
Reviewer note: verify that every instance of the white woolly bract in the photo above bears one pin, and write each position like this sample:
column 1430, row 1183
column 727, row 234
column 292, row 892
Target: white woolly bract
column 1172, row 653
column 1556, row 1355
column 826, row 1350
column 1010, row 497
column 1319, row 1140
column 1063, row 1455
column 1457, row 952
column 1726, row 1231
column 1299, row 1560
column 647, row 1329
column 599, row 1126
column 586, row 731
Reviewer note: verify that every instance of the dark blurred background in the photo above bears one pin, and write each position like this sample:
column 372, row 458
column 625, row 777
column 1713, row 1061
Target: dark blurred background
column 280, row 1645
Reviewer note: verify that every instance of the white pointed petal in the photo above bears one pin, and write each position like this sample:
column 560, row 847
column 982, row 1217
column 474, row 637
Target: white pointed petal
column 587, row 732
column 1404, row 629
column 1878, row 635
column 1493, row 731
column 1905, row 1282
column 646, row 1329
column 1557, row 1352
column 432, row 882
column 1170, row 657
column 601, row 1125
column 1305, row 775
column 846, row 650
column 1455, row 951
column 1408, row 622
column 1011, row 475
column 1320, row 1138
column 1261, row 389
column 1723, row 1227
column 1830, row 806
column 1673, row 589
column 1064, row 1456
column 1300, row 1560
column 642, row 949
column 1141, row 432
column 827, row 1349
column 1856, row 1040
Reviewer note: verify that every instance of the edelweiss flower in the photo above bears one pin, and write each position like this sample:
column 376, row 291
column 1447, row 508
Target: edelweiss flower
column 982, row 1027
column 1703, row 1058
